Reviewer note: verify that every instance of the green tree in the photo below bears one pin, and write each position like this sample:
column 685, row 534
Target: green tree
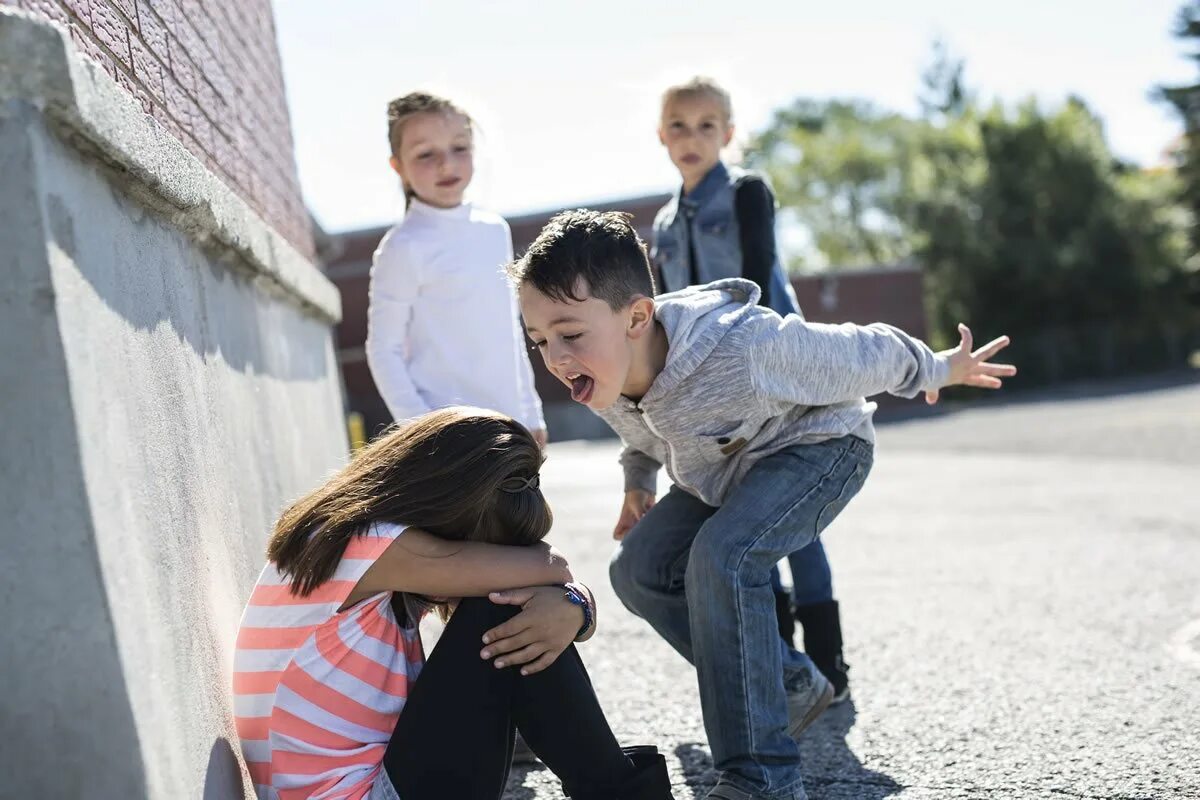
column 840, row 167
column 1186, row 102
column 943, row 87
column 1021, row 217
column 1050, row 238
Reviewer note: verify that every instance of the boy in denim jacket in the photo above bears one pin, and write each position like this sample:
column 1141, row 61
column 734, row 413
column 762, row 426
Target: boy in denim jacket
column 762, row 425
column 721, row 224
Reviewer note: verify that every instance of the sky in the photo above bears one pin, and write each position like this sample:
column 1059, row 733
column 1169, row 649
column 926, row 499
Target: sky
column 565, row 93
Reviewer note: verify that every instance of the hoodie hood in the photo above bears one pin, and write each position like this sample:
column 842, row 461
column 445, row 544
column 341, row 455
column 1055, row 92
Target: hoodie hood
column 741, row 383
column 695, row 320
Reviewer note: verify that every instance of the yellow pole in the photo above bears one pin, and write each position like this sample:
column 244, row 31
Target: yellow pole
column 357, row 430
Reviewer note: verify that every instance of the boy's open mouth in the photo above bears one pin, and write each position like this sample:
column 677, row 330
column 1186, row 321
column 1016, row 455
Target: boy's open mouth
column 581, row 386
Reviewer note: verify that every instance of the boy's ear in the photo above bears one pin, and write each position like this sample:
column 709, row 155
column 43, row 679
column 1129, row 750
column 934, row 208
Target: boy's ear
column 641, row 316
column 395, row 163
column 728, row 135
column 662, row 138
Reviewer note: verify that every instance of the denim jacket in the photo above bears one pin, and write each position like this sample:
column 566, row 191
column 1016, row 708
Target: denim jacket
column 707, row 218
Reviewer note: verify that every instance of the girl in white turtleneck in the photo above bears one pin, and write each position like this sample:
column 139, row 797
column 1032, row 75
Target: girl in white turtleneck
column 443, row 327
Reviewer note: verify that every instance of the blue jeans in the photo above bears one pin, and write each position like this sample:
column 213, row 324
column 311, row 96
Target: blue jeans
column 701, row 576
column 812, row 581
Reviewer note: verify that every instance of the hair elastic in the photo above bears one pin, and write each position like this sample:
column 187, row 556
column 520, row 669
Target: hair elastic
column 517, row 484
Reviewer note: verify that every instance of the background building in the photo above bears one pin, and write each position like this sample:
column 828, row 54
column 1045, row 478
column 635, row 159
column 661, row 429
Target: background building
column 880, row 294
column 167, row 382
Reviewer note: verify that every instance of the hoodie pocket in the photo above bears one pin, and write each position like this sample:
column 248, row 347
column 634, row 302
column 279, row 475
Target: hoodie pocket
column 725, row 442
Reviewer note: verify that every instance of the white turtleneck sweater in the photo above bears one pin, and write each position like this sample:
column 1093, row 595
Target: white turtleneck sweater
column 443, row 326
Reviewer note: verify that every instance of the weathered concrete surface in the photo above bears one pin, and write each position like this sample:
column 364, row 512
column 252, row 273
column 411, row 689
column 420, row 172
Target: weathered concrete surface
column 167, row 382
column 1021, row 593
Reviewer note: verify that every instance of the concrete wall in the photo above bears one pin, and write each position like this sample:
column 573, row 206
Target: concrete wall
column 167, row 382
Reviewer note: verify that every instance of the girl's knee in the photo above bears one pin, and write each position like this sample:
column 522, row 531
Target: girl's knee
column 482, row 613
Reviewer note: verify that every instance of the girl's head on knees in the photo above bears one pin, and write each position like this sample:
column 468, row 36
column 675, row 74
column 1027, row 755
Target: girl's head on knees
column 432, row 143
column 458, row 473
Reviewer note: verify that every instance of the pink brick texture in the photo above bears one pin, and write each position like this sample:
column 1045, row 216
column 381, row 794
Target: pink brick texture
column 209, row 73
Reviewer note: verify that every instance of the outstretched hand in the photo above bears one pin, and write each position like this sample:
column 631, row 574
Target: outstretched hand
column 969, row 368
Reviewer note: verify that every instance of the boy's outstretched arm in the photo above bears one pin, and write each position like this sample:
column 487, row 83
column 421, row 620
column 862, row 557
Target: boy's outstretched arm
column 815, row 364
column 972, row 368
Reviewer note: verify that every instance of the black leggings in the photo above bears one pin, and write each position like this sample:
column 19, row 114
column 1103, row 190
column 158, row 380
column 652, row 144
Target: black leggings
column 454, row 737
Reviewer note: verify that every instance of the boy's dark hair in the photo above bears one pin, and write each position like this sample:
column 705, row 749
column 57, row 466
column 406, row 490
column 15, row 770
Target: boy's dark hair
column 601, row 248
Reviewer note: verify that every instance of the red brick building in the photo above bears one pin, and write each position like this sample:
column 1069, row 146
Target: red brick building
column 210, row 74
column 881, row 294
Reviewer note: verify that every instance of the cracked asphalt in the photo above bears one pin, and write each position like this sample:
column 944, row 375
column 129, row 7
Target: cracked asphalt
column 1020, row 589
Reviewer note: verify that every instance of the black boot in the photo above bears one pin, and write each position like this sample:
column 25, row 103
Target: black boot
column 649, row 780
column 783, row 613
column 822, row 626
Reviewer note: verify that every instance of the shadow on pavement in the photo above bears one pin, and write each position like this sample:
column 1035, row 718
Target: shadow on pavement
column 831, row 770
column 516, row 789
column 698, row 772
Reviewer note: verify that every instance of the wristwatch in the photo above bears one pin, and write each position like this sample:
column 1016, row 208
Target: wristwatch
column 577, row 594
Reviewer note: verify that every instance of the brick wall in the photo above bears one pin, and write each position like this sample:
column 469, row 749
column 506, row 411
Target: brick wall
column 209, row 72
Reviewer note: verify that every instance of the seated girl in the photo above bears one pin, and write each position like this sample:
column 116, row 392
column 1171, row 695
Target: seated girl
column 332, row 695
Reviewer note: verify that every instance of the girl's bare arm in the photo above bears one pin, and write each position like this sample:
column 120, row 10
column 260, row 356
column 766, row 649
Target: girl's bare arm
column 421, row 563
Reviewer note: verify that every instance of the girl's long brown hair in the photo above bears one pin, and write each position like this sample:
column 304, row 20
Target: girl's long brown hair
column 441, row 473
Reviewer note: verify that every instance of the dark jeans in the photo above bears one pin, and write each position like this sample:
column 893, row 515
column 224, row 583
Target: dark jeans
column 454, row 737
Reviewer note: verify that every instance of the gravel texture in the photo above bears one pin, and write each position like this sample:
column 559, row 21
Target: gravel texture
column 1020, row 589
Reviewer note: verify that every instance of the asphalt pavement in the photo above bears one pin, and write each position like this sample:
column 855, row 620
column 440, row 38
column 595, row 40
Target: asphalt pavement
column 1020, row 590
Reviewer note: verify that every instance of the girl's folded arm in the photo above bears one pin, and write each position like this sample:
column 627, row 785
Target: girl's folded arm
column 421, row 563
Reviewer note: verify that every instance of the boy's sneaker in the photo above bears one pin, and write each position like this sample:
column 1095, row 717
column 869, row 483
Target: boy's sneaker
column 724, row 791
column 805, row 703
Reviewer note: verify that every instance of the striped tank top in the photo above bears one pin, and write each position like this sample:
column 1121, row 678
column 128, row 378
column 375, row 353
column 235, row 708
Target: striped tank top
column 317, row 692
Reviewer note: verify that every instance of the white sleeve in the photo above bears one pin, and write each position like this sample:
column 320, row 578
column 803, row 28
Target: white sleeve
column 394, row 289
column 531, row 404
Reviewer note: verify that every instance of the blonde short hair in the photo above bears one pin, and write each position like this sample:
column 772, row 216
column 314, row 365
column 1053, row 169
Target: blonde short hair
column 700, row 86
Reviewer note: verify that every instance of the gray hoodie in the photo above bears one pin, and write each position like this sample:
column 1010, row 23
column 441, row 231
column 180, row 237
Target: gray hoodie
column 741, row 383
